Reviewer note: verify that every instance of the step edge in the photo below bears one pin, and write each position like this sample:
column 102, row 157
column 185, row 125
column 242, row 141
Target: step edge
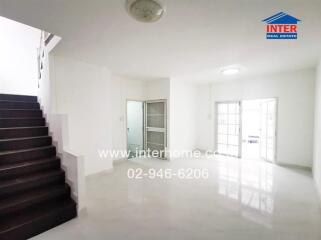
column 25, row 150
column 24, row 138
column 40, row 161
column 59, row 190
column 68, row 203
column 27, row 178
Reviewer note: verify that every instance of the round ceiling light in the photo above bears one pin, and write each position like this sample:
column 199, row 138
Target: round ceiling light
column 145, row 10
column 230, row 71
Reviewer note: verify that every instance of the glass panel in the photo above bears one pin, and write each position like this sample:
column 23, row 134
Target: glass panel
column 222, row 119
column 222, row 139
column 222, row 129
column 270, row 143
column 228, row 128
column 233, row 129
column 135, row 120
column 222, row 108
column 270, row 132
column 155, row 146
column 237, row 108
column 222, row 148
column 233, row 108
column 155, row 137
column 233, row 150
column 155, row 121
column 231, row 119
column 156, row 150
column 269, row 154
column 233, row 140
column 268, row 116
column 155, row 108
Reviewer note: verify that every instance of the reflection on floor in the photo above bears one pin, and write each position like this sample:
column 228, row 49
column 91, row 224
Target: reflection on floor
column 240, row 200
column 250, row 184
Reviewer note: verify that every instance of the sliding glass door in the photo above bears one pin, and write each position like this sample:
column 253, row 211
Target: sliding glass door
column 228, row 128
column 268, row 130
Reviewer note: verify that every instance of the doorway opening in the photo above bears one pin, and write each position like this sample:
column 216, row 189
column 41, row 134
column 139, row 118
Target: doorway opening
column 135, row 127
column 147, row 128
column 247, row 129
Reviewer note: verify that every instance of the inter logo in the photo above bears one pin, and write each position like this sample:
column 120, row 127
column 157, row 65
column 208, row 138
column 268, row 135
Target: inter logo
column 281, row 26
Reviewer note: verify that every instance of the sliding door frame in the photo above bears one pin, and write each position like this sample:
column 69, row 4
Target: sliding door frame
column 146, row 102
column 275, row 131
column 241, row 113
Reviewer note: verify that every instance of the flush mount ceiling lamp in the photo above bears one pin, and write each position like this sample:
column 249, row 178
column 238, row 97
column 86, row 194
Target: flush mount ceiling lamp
column 145, row 10
column 230, row 71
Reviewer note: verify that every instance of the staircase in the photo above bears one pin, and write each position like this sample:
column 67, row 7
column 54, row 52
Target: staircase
column 33, row 194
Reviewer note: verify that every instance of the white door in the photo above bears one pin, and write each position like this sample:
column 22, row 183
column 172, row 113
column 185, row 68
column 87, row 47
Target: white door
column 228, row 128
column 135, row 127
column 268, row 130
column 156, row 127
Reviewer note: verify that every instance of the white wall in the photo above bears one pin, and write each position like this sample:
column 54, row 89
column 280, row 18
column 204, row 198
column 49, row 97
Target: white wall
column 157, row 89
column 95, row 103
column 83, row 92
column 295, row 93
column 204, row 117
column 182, row 115
column 132, row 89
column 317, row 132
column 123, row 89
column 18, row 58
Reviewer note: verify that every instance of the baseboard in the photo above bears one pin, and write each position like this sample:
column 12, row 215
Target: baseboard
column 294, row 166
column 119, row 161
column 318, row 190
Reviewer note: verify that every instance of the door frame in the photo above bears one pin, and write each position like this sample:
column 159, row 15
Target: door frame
column 247, row 99
column 165, row 122
column 276, row 129
column 126, row 120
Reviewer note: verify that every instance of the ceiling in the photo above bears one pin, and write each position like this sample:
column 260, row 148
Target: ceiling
column 195, row 37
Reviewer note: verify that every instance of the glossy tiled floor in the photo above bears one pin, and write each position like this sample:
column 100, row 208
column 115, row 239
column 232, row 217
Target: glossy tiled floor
column 240, row 200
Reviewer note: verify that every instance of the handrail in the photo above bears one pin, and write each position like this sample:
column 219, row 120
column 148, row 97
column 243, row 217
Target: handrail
column 45, row 39
column 49, row 38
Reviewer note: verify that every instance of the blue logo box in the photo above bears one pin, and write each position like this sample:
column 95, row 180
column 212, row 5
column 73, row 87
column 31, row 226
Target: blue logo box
column 281, row 36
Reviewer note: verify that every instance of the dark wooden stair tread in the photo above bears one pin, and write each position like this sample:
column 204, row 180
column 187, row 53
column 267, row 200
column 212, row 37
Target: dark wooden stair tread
column 24, row 143
column 23, row 150
column 38, row 178
column 19, row 105
column 23, row 132
column 34, row 196
column 23, row 138
column 15, row 97
column 22, row 128
column 22, row 122
column 22, row 109
column 31, row 177
column 14, row 118
column 31, row 166
column 27, row 163
column 15, row 101
column 25, row 199
column 31, row 215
